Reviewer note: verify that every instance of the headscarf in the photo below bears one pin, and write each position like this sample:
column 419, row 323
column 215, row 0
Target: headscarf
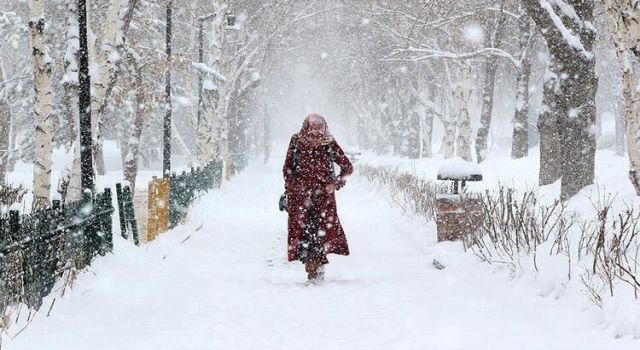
column 314, row 123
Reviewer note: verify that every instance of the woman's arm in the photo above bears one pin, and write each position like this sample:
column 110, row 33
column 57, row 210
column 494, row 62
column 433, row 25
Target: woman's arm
column 287, row 169
column 346, row 168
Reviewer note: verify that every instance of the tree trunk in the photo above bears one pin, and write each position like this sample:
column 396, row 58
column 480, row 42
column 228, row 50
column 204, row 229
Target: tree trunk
column 5, row 120
column 427, row 134
column 166, row 136
column 549, row 136
column 632, row 124
column 74, row 191
column 575, row 63
column 620, row 132
column 447, row 147
column 224, row 92
column 206, row 133
column 462, row 93
column 43, row 106
column 84, row 101
column 133, row 146
column 5, row 128
column 267, row 135
column 70, row 99
column 106, row 56
column 491, row 66
column 520, row 140
column 623, row 36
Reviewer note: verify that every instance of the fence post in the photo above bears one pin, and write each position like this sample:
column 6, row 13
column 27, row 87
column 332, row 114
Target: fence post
column 14, row 268
column 3, row 252
column 104, row 221
column 86, row 234
column 130, row 214
column 121, row 215
column 61, row 234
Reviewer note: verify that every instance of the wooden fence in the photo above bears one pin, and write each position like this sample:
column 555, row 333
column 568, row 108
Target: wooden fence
column 36, row 248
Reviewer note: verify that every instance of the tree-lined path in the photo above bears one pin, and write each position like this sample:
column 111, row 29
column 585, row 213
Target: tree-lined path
column 222, row 282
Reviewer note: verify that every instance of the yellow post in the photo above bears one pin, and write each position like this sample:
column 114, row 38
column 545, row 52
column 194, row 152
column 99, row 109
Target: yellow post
column 158, row 207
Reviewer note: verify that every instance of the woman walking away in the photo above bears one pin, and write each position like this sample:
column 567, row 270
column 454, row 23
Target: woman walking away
column 310, row 183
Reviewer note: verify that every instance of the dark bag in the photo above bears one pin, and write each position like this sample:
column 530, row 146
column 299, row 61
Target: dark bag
column 284, row 202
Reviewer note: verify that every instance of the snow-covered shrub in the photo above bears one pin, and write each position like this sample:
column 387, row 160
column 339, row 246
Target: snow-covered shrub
column 412, row 194
column 547, row 242
column 603, row 250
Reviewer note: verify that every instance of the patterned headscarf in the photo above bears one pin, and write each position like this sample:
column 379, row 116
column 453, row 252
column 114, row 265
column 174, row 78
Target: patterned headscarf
column 314, row 124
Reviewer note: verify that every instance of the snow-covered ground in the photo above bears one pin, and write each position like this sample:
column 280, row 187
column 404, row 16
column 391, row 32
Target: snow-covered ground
column 222, row 282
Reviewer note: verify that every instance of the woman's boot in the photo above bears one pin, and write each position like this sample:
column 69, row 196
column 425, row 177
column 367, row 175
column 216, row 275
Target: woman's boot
column 312, row 271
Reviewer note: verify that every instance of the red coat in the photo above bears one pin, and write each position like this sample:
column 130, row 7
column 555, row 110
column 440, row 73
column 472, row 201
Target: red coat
column 307, row 187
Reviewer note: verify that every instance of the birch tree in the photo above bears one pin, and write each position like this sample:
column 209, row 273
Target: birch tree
column 624, row 17
column 461, row 95
column 117, row 21
column 70, row 86
column 5, row 126
column 41, row 62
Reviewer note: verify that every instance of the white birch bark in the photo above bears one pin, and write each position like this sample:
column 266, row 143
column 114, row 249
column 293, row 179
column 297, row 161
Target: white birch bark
column 206, row 146
column 221, row 123
column 74, row 192
column 107, row 57
column 448, row 120
column 43, row 105
column 461, row 96
column 5, row 126
column 70, row 86
column 625, row 35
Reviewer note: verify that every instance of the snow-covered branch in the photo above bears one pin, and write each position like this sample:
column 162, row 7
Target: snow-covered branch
column 420, row 54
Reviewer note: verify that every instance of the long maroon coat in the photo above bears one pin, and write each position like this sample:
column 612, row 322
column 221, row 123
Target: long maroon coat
column 306, row 187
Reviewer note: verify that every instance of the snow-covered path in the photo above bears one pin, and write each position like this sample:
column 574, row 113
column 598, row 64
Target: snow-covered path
column 222, row 282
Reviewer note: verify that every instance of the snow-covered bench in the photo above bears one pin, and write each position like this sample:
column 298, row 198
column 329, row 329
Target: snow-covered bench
column 458, row 215
column 458, row 169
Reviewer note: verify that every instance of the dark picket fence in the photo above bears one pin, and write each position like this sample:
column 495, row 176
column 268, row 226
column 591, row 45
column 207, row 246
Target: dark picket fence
column 36, row 248
column 185, row 187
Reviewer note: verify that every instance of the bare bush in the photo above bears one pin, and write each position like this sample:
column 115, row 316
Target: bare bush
column 611, row 240
column 410, row 193
column 10, row 195
column 517, row 227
